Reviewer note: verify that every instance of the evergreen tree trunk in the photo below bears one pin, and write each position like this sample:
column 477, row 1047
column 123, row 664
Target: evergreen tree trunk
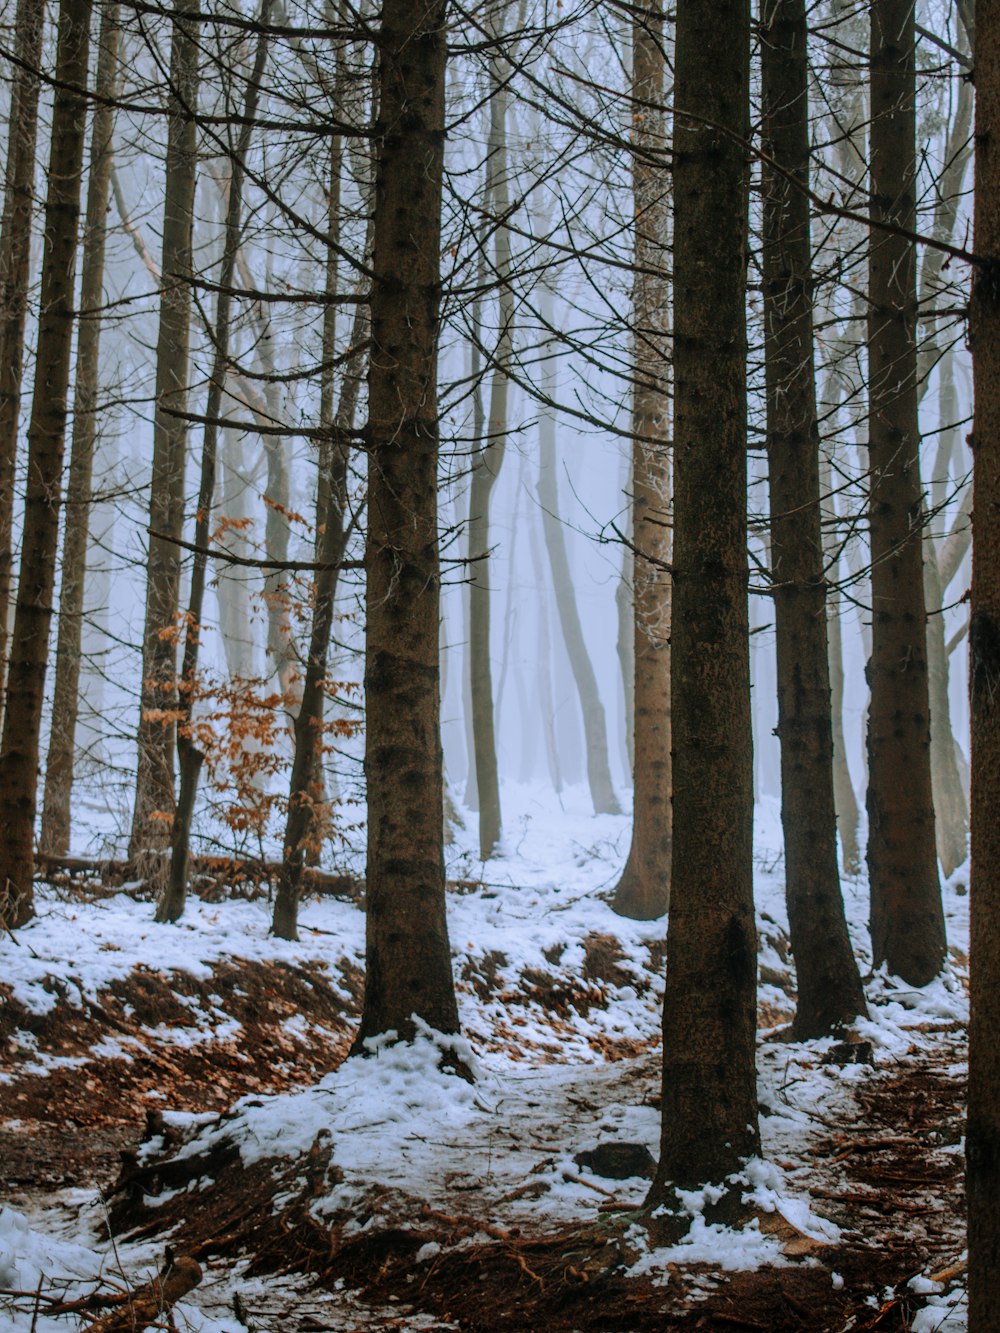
column 709, row 1124
column 907, row 921
column 190, row 758
column 983, row 1127
column 643, row 891
column 55, row 832
column 29, row 649
column 154, row 791
column 829, row 984
column 408, row 972
column 15, row 274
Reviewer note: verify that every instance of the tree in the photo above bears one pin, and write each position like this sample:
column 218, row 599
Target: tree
column 55, row 831
column 907, row 920
column 486, row 467
column 190, row 756
column 829, row 987
column 154, row 788
column 407, row 951
column 643, row 891
column 983, row 1128
column 29, row 651
column 709, row 1121
column 15, row 269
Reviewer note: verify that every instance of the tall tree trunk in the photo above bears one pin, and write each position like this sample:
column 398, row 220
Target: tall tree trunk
column 709, row 1124
column 907, row 921
column 190, row 758
column 829, row 987
column 488, row 463
column 154, row 790
column 29, row 649
column 595, row 729
column 408, row 975
column 15, row 272
column 848, row 812
column 55, row 832
column 305, row 786
column 983, row 1126
column 643, row 891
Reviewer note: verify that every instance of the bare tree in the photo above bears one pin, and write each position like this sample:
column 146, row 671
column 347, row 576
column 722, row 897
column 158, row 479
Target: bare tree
column 830, row 994
column 907, row 921
column 154, row 790
column 55, row 831
column 15, row 270
column 643, row 891
column 46, row 440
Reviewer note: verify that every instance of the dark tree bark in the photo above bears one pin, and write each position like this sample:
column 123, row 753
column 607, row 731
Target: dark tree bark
column 55, row 832
column 190, row 758
column 154, row 791
column 643, row 891
column 829, row 987
column 46, row 440
column 983, row 1129
column 907, row 921
column 408, row 954
column 15, row 271
column 709, row 1007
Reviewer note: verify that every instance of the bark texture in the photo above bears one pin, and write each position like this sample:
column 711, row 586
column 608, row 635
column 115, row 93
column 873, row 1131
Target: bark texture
column 828, row 982
column 157, row 737
column 709, row 1009
column 408, row 958
column 983, row 1129
column 907, row 921
column 55, row 832
column 15, row 271
column 643, row 892
column 29, row 648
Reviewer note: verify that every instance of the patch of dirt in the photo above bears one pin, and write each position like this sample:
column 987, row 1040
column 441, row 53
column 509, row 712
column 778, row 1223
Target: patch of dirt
column 79, row 1080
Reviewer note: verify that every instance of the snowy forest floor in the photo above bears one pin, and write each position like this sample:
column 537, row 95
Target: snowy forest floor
column 186, row 1085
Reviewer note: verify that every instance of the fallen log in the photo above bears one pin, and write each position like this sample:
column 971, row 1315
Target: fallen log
column 217, row 870
column 150, row 1303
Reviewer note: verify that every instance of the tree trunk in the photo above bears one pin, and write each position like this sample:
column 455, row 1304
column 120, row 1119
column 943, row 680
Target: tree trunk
column 907, row 921
column 408, row 975
column 303, row 825
column 55, row 832
column 709, row 1124
column 190, row 758
column 643, row 891
column 848, row 813
column 154, row 790
column 15, row 273
column 829, row 987
column 46, row 439
column 595, row 730
column 983, row 1126
column 486, row 469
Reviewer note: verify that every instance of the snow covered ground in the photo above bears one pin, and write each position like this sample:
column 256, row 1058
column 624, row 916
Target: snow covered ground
column 560, row 1009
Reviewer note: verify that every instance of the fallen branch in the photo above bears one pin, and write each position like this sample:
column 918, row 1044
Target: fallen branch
column 158, row 1297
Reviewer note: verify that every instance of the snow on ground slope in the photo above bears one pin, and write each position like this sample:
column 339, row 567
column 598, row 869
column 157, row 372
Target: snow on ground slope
column 560, row 1009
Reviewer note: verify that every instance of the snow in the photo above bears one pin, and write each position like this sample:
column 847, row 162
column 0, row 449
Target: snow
column 549, row 1083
